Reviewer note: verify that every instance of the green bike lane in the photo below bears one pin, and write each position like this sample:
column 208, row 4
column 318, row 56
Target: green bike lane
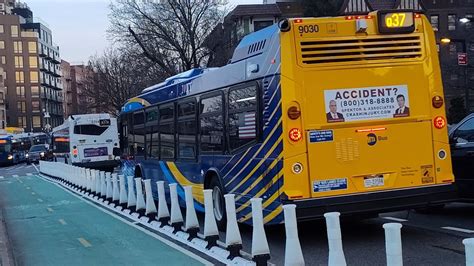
column 47, row 225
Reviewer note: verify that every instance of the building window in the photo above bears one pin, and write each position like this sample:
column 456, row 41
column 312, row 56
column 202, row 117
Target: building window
column 2, row 30
column 33, row 60
column 34, row 91
column 32, row 47
column 451, row 22
column 14, row 29
column 36, row 121
column 34, row 78
column 452, row 48
column 434, row 22
column 2, row 44
column 18, row 47
column 35, row 106
column 22, row 121
column 20, row 91
column 21, row 106
column 469, row 24
column 4, row 59
column 18, row 61
column 20, row 76
column 258, row 25
column 454, row 76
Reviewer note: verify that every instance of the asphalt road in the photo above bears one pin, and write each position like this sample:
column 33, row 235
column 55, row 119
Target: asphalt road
column 428, row 239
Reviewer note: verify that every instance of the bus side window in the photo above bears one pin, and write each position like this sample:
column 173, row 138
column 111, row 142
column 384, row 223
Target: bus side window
column 152, row 144
column 242, row 116
column 167, row 132
column 212, row 125
column 139, row 133
column 187, row 130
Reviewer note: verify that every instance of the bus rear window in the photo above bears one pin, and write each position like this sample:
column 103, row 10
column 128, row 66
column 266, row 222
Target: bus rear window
column 92, row 130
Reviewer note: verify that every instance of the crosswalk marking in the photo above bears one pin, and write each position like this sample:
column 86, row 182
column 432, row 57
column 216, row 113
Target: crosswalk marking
column 49, row 209
column 84, row 242
column 61, row 221
column 40, row 200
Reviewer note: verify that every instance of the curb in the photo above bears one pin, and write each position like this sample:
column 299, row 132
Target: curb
column 6, row 255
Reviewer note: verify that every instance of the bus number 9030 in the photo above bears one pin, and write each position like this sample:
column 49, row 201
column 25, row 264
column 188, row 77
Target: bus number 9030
column 308, row 29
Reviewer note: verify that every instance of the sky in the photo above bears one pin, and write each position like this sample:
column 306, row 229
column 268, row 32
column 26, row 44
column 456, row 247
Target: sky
column 79, row 26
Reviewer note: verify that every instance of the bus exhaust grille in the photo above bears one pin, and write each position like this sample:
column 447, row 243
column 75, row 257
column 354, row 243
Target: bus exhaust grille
column 353, row 50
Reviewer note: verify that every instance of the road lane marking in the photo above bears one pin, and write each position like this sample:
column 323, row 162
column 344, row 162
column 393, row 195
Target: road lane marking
column 40, row 200
column 468, row 231
column 84, row 242
column 395, row 219
column 15, row 176
column 61, row 221
column 28, row 188
column 29, row 174
column 1, row 177
column 32, row 193
column 49, row 209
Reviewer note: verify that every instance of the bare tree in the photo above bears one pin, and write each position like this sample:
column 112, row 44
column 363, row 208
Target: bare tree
column 118, row 75
column 170, row 33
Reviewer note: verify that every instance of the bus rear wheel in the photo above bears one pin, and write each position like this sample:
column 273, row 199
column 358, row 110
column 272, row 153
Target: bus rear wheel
column 218, row 203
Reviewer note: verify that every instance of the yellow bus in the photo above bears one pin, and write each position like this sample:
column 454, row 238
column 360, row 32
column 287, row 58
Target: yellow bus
column 332, row 114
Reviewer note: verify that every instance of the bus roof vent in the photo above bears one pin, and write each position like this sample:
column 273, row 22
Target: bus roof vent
column 372, row 48
column 254, row 44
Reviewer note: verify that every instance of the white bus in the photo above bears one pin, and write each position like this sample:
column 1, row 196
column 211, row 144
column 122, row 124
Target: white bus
column 88, row 140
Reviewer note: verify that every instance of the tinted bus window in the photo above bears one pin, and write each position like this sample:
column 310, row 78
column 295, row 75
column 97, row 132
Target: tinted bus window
column 187, row 130
column 212, row 125
column 167, row 132
column 242, row 116
column 92, row 130
column 139, row 133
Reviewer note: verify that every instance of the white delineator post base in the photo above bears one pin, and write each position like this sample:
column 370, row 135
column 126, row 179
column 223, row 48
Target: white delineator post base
column 211, row 233
column 140, row 198
column 132, row 198
column 123, row 191
column 191, row 223
column 163, row 213
column 469, row 246
column 149, row 201
column 176, row 219
column 293, row 252
column 233, row 239
column 336, row 253
column 260, row 249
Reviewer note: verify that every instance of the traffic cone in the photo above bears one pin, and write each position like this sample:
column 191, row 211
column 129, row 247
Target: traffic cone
column 336, row 253
column 115, row 190
column 163, row 213
column 469, row 247
column 393, row 244
column 293, row 252
column 176, row 216
column 211, row 233
column 140, row 199
column 150, row 202
column 233, row 240
column 132, row 198
column 260, row 249
column 123, row 192
column 191, row 224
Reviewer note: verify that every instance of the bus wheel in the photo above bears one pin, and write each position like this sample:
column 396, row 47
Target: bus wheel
column 218, row 202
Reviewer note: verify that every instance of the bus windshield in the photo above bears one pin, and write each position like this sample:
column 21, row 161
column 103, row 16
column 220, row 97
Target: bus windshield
column 5, row 147
column 61, row 145
column 37, row 148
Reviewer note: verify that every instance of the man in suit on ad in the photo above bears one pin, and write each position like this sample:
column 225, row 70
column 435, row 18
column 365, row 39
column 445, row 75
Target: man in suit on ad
column 402, row 110
column 333, row 115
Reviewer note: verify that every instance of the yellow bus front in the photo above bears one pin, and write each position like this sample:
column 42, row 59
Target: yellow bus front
column 365, row 120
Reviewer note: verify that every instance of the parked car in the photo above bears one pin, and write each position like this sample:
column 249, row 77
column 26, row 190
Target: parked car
column 461, row 138
column 39, row 152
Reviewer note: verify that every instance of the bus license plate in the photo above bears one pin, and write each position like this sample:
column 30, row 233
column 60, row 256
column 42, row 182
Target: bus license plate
column 373, row 181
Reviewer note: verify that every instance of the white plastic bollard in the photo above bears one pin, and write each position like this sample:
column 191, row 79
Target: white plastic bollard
column 293, row 252
column 123, row 192
column 163, row 212
column 191, row 223
column 103, row 185
column 93, row 182
column 469, row 247
column 150, row 202
column 132, row 198
column 176, row 219
column 211, row 233
column 336, row 253
column 115, row 189
column 140, row 198
column 260, row 249
column 109, row 191
column 393, row 244
column 97, row 183
column 233, row 239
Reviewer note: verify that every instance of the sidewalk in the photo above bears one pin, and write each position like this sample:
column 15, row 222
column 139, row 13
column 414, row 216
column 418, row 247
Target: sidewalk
column 6, row 258
column 49, row 226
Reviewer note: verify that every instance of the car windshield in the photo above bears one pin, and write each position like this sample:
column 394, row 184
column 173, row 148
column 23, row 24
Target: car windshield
column 38, row 148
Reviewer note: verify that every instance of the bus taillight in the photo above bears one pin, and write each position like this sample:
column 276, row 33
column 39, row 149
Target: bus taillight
column 295, row 134
column 437, row 101
column 75, row 152
column 293, row 113
column 439, row 122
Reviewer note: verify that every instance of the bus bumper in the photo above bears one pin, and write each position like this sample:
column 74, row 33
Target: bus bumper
column 375, row 202
column 99, row 164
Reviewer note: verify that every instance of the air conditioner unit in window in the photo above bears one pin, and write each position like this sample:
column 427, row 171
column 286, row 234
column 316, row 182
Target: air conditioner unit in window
column 2, row 7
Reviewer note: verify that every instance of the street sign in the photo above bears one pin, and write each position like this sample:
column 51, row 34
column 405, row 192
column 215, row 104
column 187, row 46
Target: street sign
column 462, row 59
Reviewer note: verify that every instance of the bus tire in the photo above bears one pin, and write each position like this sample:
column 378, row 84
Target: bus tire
column 218, row 202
